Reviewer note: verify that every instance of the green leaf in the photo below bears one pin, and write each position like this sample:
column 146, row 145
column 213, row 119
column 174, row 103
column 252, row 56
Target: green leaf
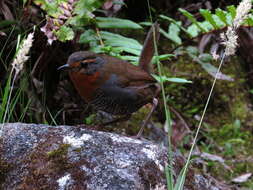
column 249, row 20
column 111, row 22
column 90, row 119
column 167, row 79
column 24, row 2
column 222, row 15
column 181, row 178
column 163, row 57
column 88, row 36
column 193, row 30
column 251, row 91
column 192, row 51
column 206, row 25
column 129, row 50
column 176, row 39
column 65, row 33
column 117, row 43
column 206, row 57
column 192, row 19
column 145, row 23
column 169, row 177
column 6, row 23
column 173, row 33
column 51, row 7
column 210, row 69
column 112, row 36
column 178, row 23
column 120, row 42
column 130, row 58
column 209, row 17
column 83, row 12
column 218, row 21
column 232, row 10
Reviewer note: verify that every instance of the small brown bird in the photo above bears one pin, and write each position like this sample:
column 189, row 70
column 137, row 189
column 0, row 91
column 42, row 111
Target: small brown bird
column 113, row 85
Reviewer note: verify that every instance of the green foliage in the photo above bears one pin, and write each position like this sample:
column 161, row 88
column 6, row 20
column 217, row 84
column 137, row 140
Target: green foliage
column 212, row 21
column 80, row 16
column 167, row 79
column 205, row 60
column 4, row 97
column 65, row 33
column 110, row 22
column 51, row 7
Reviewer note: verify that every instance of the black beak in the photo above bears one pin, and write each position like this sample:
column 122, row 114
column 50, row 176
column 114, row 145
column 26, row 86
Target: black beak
column 66, row 66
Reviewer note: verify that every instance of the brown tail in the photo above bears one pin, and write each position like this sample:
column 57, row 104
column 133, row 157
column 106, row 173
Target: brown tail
column 149, row 48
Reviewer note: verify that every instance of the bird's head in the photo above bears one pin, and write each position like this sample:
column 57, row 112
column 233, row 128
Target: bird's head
column 83, row 62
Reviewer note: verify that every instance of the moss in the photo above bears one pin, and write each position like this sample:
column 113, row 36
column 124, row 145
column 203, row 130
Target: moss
column 61, row 151
column 59, row 158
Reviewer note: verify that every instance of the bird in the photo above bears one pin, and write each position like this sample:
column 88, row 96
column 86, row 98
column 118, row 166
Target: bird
column 113, row 85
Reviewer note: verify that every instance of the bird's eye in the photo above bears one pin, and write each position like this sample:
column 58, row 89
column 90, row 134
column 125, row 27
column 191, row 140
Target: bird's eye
column 84, row 64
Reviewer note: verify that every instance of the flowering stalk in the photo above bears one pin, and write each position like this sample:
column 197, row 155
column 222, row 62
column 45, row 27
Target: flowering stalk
column 230, row 37
column 17, row 66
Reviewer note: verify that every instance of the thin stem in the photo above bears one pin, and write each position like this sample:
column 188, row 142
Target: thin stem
column 201, row 120
column 9, row 97
column 167, row 113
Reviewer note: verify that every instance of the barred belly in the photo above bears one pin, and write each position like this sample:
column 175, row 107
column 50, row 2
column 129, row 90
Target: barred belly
column 114, row 104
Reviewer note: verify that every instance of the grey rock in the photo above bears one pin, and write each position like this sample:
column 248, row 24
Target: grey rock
column 65, row 157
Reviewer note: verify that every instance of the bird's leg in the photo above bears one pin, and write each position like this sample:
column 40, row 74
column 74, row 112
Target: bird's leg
column 155, row 103
column 120, row 119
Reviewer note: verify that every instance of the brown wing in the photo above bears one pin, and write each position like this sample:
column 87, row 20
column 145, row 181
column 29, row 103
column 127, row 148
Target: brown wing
column 127, row 73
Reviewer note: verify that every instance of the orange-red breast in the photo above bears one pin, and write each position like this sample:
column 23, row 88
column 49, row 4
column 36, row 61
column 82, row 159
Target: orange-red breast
column 114, row 85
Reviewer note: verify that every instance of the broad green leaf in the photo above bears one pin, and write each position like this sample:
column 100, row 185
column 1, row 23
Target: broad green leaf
column 145, row 23
column 218, row 21
column 168, row 79
column 209, row 17
column 178, row 23
column 125, row 44
column 206, row 25
column 212, row 70
column 88, row 36
column 222, row 15
column 121, row 43
column 112, row 36
column 51, row 7
column 65, row 33
column 111, row 22
column 173, row 33
column 249, row 20
column 129, row 50
column 232, row 10
column 83, row 12
column 206, row 57
column 192, row 51
column 163, row 57
column 193, row 30
column 192, row 19
column 130, row 58
column 178, row 80
column 86, row 7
